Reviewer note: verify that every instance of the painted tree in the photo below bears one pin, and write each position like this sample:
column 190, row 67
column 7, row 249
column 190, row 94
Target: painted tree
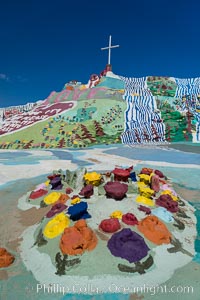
column 28, row 145
column 76, row 140
column 77, row 136
column 19, row 146
column 86, row 134
column 146, row 136
column 155, row 134
column 167, row 132
column 61, row 143
column 138, row 139
column 186, row 136
column 98, row 129
column 189, row 115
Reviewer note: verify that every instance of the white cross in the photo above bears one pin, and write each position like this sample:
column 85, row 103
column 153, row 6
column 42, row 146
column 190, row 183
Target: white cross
column 109, row 49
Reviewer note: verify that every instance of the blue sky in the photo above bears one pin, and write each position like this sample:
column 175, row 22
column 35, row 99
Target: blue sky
column 44, row 44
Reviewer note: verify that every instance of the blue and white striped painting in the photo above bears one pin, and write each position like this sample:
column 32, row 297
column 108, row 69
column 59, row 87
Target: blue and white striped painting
column 189, row 86
column 143, row 123
column 188, row 90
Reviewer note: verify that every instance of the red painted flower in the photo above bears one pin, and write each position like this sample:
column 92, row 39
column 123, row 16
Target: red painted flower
column 37, row 194
column 110, row 225
column 121, row 174
column 129, row 219
column 116, row 190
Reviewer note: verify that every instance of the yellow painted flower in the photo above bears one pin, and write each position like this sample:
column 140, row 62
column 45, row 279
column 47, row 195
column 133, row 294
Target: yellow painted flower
column 146, row 191
column 152, row 174
column 92, row 178
column 141, row 184
column 144, row 177
column 75, row 200
column 52, row 198
column 116, row 214
column 47, row 182
column 56, row 226
column 144, row 200
column 168, row 192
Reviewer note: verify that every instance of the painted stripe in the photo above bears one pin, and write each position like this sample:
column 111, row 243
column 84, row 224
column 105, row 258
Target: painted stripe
column 142, row 123
column 189, row 86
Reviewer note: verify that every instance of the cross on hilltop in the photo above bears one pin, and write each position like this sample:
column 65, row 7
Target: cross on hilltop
column 109, row 49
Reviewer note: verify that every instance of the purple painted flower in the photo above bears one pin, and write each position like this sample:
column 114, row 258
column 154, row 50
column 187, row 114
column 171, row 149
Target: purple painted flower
column 57, row 208
column 87, row 191
column 167, row 202
column 145, row 209
column 56, row 183
column 128, row 244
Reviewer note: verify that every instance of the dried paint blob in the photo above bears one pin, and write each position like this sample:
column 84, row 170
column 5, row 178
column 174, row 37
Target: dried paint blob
column 154, row 230
column 6, row 259
column 128, row 244
column 163, row 214
column 110, row 225
column 77, row 239
column 56, row 209
column 116, row 190
column 167, row 202
column 87, row 191
column 37, row 194
column 129, row 219
column 145, row 200
column 56, row 226
column 52, row 198
column 79, row 211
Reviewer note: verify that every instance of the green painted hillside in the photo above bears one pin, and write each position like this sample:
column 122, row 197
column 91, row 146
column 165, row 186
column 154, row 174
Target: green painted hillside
column 88, row 123
column 104, row 111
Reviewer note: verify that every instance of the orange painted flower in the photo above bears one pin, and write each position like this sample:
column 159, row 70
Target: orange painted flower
column 77, row 239
column 6, row 259
column 154, row 230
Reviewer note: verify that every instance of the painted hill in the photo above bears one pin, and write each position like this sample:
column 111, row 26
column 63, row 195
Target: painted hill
column 108, row 109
